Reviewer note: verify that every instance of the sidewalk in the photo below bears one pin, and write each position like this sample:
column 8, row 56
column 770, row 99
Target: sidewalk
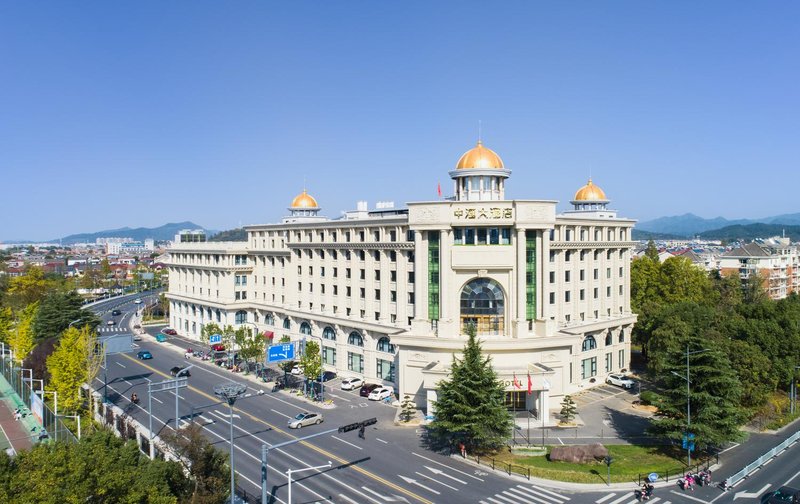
column 19, row 434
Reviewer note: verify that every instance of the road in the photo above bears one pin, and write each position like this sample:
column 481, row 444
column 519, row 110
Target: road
column 390, row 465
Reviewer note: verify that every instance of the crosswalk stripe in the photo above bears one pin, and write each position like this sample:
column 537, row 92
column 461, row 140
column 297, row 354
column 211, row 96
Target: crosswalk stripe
column 620, row 499
column 508, row 499
column 526, row 496
column 541, row 492
column 494, row 500
column 532, row 497
column 601, row 501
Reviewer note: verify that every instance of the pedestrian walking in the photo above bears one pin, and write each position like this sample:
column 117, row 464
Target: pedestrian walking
column 462, row 449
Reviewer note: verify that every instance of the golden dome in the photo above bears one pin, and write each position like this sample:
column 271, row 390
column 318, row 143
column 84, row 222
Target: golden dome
column 479, row 157
column 590, row 192
column 304, row 200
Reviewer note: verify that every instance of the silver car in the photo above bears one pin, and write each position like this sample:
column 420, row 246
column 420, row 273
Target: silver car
column 620, row 380
column 305, row 419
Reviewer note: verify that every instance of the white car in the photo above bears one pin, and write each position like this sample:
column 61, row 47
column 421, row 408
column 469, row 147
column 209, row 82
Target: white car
column 352, row 383
column 138, row 301
column 296, row 370
column 304, row 419
column 110, row 322
column 381, row 393
column 620, row 380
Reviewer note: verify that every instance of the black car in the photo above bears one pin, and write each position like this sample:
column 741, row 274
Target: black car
column 783, row 495
column 367, row 389
column 177, row 369
column 327, row 376
column 116, row 312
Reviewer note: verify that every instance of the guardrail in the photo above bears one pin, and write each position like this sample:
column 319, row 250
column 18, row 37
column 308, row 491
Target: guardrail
column 507, row 467
column 732, row 480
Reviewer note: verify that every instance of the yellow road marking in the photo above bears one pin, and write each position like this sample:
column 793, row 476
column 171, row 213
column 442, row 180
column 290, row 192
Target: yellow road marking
column 305, row 443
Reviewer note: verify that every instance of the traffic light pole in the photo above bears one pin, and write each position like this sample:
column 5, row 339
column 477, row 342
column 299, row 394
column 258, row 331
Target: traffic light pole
column 265, row 449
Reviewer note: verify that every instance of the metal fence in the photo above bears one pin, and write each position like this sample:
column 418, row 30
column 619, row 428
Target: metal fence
column 732, row 480
column 679, row 472
column 23, row 387
column 506, row 467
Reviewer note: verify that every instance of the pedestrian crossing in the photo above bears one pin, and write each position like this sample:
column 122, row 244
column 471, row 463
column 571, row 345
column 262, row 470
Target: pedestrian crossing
column 108, row 329
column 628, row 498
column 525, row 494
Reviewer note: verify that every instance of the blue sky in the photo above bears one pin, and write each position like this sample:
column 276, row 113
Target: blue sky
column 140, row 113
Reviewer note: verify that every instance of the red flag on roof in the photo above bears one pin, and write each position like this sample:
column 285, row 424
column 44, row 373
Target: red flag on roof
column 439, row 189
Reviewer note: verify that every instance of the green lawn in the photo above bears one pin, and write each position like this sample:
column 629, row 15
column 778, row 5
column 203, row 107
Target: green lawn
column 629, row 462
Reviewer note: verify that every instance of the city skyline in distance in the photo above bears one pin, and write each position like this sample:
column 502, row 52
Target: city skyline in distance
column 167, row 113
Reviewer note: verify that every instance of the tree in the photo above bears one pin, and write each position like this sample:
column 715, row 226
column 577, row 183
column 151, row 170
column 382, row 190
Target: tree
column 6, row 323
column 208, row 330
column 99, row 468
column 22, row 337
column 28, row 288
column 651, row 252
column 715, row 395
column 252, row 346
column 407, row 409
column 72, row 364
column 207, row 466
column 163, row 302
column 311, row 360
column 568, row 409
column 57, row 310
column 471, row 403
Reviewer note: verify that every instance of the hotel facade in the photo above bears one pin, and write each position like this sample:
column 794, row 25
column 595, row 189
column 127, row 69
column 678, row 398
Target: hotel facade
column 389, row 293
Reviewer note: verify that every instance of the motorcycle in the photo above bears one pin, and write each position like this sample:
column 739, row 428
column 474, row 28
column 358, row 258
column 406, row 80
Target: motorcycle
column 135, row 399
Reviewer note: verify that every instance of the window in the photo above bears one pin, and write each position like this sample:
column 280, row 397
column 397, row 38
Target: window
column 393, row 256
column 329, row 334
column 377, row 274
column 567, row 276
column 582, row 275
column 411, row 277
column 355, row 339
column 269, row 319
column 393, row 276
column 483, row 305
column 241, row 317
column 620, row 272
column 596, row 293
column 567, row 296
column 329, row 355
column 363, row 292
column 588, row 368
column 411, row 298
column 552, row 298
column 287, row 324
column 363, row 274
column 589, row 343
column 355, row 362
column 621, row 359
column 384, row 345
column 393, row 296
column 609, row 365
column 621, row 337
column 552, row 277
column 410, row 235
column 305, row 328
column 377, row 294
column 596, row 274
column 582, row 294
column 609, row 339
column 385, row 370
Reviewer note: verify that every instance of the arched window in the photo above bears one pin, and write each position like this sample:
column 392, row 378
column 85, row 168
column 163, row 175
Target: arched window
column 384, row 345
column 622, row 336
column 483, row 306
column 286, row 323
column 609, row 339
column 241, row 317
column 329, row 334
column 269, row 319
column 305, row 328
column 355, row 339
column 589, row 344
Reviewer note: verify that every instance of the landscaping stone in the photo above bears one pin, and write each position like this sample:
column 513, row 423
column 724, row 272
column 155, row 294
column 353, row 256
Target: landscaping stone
column 578, row 454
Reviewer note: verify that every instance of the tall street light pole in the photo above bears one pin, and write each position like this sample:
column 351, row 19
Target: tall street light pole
column 689, row 402
column 230, row 392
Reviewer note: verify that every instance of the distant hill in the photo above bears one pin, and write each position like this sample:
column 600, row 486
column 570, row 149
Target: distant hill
column 751, row 232
column 165, row 232
column 688, row 225
column 238, row 234
column 641, row 235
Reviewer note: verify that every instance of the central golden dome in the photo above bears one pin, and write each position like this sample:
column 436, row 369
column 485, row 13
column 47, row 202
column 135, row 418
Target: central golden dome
column 590, row 192
column 479, row 157
column 304, row 200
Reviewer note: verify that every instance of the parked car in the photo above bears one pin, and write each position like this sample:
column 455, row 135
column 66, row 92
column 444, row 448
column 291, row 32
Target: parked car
column 138, row 301
column 305, row 419
column 620, row 380
column 367, row 389
column 116, row 312
column 161, row 338
column 175, row 371
column 169, row 331
column 297, row 370
column 218, row 348
column 352, row 383
column 144, row 355
column 783, row 495
column 380, row 393
column 110, row 322
column 137, row 337
column 327, row 376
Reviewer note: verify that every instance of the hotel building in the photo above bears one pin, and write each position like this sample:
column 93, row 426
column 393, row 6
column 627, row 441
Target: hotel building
column 388, row 293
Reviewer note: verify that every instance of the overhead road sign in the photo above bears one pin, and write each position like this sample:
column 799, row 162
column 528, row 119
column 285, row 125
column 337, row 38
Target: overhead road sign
column 281, row 353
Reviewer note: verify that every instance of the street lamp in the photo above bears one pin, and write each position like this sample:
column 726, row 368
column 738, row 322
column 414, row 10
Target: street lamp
column 688, row 401
column 230, row 392
column 292, row 471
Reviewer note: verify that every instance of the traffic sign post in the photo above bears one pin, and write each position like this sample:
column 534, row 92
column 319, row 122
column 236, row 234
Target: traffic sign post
column 215, row 338
column 280, row 353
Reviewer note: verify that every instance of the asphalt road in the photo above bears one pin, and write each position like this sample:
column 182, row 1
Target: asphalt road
column 390, row 465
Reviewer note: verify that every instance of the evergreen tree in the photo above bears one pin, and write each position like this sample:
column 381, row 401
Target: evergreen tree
column 715, row 395
column 651, row 252
column 407, row 409
column 471, row 403
column 57, row 310
column 568, row 409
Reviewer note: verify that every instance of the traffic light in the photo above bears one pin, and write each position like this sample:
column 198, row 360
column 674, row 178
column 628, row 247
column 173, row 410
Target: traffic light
column 349, row 427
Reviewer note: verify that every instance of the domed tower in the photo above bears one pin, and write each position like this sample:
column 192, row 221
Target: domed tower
column 303, row 208
column 479, row 175
column 590, row 198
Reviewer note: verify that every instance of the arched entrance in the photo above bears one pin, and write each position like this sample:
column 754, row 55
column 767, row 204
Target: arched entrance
column 483, row 305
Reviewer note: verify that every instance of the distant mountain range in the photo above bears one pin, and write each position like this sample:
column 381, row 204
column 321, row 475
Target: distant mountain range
column 162, row 233
column 689, row 225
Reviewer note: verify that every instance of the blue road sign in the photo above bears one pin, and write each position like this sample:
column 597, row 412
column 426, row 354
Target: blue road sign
column 281, row 353
column 215, row 338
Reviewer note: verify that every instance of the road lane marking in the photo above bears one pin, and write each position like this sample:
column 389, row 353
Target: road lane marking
column 119, row 364
column 156, row 399
column 528, row 497
column 620, row 499
column 318, row 449
column 447, row 466
column 346, row 442
column 531, row 494
column 790, row 479
column 689, row 497
column 373, row 492
column 601, row 501
column 415, row 482
column 281, row 414
column 348, row 499
column 381, row 440
column 557, row 496
column 506, row 498
column 435, row 481
column 442, row 473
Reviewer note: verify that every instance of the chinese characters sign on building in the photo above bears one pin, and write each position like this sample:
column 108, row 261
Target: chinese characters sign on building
column 483, row 213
